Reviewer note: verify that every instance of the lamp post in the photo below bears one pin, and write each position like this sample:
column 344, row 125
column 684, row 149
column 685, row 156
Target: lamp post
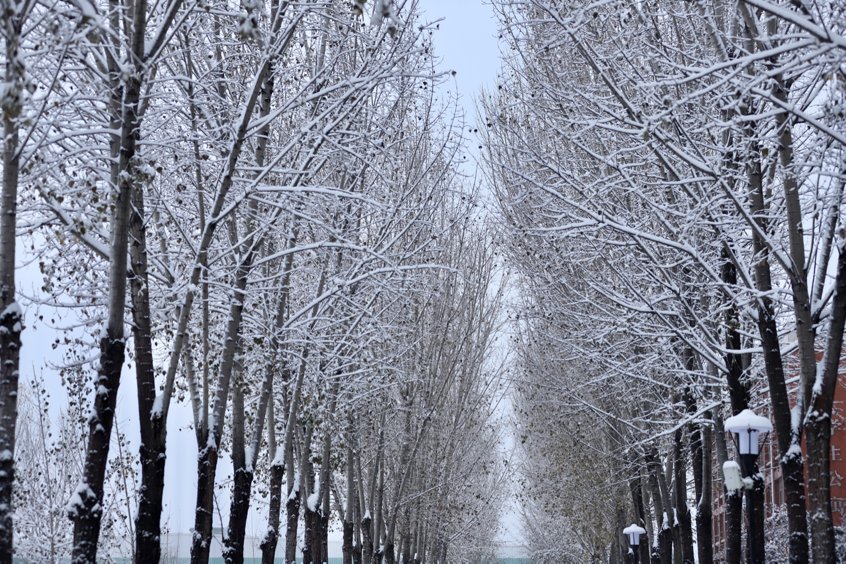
column 633, row 533
column 747, row 427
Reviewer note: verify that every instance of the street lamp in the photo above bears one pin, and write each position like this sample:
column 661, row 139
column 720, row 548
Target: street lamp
column 747, row 428
column 634, row 532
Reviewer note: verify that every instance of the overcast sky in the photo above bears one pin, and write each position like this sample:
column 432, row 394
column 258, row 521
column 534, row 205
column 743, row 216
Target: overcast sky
column 466, row 41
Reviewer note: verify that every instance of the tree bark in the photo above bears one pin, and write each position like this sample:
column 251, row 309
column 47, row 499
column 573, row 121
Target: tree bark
column 818, row 424
column 704, row 514
column 640, row 513
column 349, row 513
column 203, row 523
column 367, row 533
column 325, row 500
column 311, row 550
column 268, row 544
column 347, row 545
column 682, row 511
column 292, row 508
column 661, row 499
column 152, row 453
column 818, row 420
column 242, row 483
column 755, row 519
column 86, row 508
column 733, row 502
column 788, row 436
column 201, row 541
column 11, row 318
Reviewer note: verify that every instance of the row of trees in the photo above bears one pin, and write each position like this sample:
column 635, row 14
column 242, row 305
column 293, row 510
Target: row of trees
column 672, row 179
column 255, row 210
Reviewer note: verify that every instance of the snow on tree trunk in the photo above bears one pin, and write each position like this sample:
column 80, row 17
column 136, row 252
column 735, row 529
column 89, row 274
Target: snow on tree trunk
column 271, row 538
column 11, row 318
column 152, row 452
column 292, row 510
column 203, row 517
column 242, row 464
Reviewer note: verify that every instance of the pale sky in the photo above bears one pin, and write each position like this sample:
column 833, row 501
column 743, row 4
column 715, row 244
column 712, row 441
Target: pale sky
column 466, row 41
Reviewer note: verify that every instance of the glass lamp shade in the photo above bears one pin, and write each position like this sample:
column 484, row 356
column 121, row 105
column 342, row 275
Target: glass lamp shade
column 634, row 539
column 747, row 441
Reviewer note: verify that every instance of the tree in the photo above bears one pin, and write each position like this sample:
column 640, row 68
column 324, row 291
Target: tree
column 661, row 156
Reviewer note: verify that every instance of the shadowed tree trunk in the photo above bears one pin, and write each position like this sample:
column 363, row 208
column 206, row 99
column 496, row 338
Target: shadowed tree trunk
column 640, row 513
column 203, row 517
column 201, row 542
column 277, row 475
column 704, row 516
column 86, row 506
column 818, row 425
column 788, row 436
column 367, row 544
column 152, row 452
column 271, row 539
column 661, row 500
column 242, row 481
column 11, row 317
column 292, row 511
column 682, row 511
column 349, row 512
column 733, row 502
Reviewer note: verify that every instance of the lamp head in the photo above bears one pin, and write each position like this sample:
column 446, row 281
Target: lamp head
column 747, row 427
column 634, row 532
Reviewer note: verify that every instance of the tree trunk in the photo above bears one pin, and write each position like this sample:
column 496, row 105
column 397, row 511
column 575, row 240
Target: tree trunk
column 755, row 519
column 349, row 513
column 292, row 508
column 788, row 436
column 818, row 425
column 206, row 469
column 818, row 447
column 661, row 499
column 11, row 318
column 209, row 451
column 704, row 514
column 347, row 546
column 682, row 511
column 733, row 502
column 324, row 537
column 640, row 513
column 367, row 533
column 356, row 554
column 324, row 500
column 269, row 542
column 86, row 507
column 390, row 556
column 311, row 553
column 152, row 453
column 242, row 483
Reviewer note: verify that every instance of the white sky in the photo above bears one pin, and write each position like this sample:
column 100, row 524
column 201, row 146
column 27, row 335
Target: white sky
column 466, row 41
